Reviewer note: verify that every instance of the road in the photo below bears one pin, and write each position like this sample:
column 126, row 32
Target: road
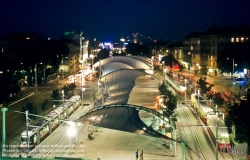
column 15, row 122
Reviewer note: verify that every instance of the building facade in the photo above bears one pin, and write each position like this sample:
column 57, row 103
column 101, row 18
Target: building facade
column 207, row 50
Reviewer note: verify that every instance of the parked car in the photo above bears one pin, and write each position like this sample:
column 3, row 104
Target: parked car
column 243, row 98
column 239, row 79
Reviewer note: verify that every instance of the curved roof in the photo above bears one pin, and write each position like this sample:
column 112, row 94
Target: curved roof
column 144, row 59
column 136, row 63
column 117, row 86
column 110, row 67
column 123, row 118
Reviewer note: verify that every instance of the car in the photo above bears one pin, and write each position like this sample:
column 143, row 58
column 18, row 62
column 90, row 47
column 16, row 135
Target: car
column 239, row 79
column 243, row 98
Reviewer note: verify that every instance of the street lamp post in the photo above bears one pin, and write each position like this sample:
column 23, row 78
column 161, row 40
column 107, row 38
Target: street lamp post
column 233, row 69
column 185, row 91
column 36, row 77
column 63, row 103
column 216, row 148
column 163, row 68
column 191, row 59
column 3, row 110
column 92, row 58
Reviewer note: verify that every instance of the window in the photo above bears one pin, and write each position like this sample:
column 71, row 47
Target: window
column 237, row 39
column 242, row 39
column 191, row 48
column 232, row 39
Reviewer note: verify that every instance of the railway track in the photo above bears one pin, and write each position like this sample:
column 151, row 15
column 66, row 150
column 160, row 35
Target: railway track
column 189, row 135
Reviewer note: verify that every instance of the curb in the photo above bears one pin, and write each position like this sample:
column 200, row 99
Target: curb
column 20, row 99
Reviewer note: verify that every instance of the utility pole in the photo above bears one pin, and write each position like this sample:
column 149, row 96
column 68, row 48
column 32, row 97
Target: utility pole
column 63, row 104
column 44, row 72
column 185, row 92
column 163, row 68
column 27, row 130
column 216, row 148
column 36, row 76
column 3, row 131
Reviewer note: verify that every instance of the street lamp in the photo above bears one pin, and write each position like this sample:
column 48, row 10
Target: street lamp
column 163, row 70
column 92, row 58
column 185, row 91
column 233, row 69
column 191, row 59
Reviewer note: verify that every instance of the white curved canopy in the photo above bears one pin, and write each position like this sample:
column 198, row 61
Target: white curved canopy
column 136, row 63
column 110, row 67
column 118, row 85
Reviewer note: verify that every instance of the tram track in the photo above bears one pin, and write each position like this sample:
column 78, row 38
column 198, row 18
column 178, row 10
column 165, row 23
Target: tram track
column 192, row 130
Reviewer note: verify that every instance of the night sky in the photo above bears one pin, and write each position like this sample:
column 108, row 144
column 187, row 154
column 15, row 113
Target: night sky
column 112, row 19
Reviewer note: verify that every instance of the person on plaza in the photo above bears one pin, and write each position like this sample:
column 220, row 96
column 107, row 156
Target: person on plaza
column 141, row 155
column 136, row 154
column 91, row 136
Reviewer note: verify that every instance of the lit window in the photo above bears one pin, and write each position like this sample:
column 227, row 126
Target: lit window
column 242, row 39
column 237, row 39
column 232, row 39
column 246, row 38
column 191, row 47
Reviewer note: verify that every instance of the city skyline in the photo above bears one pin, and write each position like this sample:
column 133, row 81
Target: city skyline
column 111, row 20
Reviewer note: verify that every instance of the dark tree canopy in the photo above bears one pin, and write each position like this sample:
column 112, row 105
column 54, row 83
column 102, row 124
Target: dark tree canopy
column 203, row 85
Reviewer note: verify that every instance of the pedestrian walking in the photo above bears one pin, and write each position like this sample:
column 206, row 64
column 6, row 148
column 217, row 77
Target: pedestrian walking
column 136, row 154
column 141, row 155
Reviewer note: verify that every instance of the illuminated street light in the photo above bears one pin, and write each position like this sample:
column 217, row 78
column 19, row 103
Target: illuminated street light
column 92, row 58
column 233, row 69
column 185, row 91
column 163, row 70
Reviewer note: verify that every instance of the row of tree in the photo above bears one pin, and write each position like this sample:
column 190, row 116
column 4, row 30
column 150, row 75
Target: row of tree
column 56, row 95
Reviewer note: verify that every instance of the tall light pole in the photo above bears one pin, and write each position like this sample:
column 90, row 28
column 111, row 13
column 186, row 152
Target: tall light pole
column 216, row 148
column 36, row 77
column 44, row 72
column 152, row 63
column 3, row 130
column 163, row 68
column 63, row 104
column 233, row 69
column 191, row 59
column 27, row 130
column 185, row 91
column 92, row 58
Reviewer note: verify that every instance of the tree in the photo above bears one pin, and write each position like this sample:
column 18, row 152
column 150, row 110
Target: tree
column 169, row 100
column 238, row 117
column 203, row 85
column 45, row 105
column 66, row 89
column 104, row 53
column 56, row 95
column 218, row 100
column 32, row 110
column 169, row 60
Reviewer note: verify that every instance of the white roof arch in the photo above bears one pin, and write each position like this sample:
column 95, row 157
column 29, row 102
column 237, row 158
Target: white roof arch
column 144, row 59
column 119, row 84
column 110, row 67
column 133, row 62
